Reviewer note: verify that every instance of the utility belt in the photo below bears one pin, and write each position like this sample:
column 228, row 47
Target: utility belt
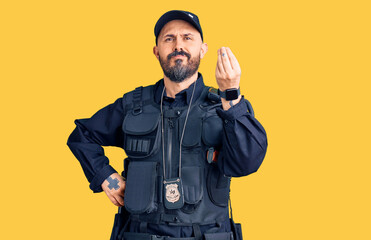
column 123, row 219
column 206, row 236
column 234, row 233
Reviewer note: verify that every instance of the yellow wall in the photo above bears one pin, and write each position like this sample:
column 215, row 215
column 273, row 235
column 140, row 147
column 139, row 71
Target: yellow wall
column 305, row 68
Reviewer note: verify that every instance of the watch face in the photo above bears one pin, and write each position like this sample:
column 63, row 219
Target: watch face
column 231, row 94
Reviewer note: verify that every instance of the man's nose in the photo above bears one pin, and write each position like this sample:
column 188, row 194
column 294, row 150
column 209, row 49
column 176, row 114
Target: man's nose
column 178, row 45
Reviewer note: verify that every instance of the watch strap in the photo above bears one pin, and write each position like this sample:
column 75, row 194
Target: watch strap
column 223, row 94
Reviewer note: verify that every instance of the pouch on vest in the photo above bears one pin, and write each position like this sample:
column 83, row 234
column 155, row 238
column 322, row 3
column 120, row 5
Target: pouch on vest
column 218, row 186
column 142, row 134
column 140, row 192
column 192, row 178
column 212, row 130
column 192, row 133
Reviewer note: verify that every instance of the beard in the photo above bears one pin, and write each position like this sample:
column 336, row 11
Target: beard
column 179, row 72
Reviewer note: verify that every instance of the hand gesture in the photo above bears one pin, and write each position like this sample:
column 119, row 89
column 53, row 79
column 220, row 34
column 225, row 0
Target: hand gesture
column 114, row 187
column 228, row 71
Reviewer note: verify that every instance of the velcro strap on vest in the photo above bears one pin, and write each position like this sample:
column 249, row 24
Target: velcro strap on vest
column 197, row 231
column 137, row 101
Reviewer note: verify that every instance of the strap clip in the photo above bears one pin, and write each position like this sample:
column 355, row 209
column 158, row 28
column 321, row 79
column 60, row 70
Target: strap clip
column 137, row 101
column 137, row 110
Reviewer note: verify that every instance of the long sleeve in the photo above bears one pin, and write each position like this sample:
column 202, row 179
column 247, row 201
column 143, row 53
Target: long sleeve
column 90, row 134
column 244, row 141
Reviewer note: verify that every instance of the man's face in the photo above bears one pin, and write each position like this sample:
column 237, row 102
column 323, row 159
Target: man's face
column 179, row 50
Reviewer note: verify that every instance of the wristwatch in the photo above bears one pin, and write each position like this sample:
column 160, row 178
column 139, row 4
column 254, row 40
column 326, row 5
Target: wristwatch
column 230, row 94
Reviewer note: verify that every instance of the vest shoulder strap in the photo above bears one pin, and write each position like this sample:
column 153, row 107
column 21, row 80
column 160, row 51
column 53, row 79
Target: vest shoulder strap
column 136, row 99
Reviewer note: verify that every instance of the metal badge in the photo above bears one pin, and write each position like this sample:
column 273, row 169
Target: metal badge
column 172, row 193
column 174, row 198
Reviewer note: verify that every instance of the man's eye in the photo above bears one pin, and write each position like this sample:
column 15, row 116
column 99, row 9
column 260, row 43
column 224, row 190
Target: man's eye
column 167, row 39
column 188, row 38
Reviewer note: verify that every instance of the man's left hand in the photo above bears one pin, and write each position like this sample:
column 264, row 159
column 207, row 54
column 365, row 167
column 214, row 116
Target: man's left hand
column 227, row 73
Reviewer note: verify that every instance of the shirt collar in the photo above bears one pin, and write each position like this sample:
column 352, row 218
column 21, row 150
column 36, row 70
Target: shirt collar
column 187, row 93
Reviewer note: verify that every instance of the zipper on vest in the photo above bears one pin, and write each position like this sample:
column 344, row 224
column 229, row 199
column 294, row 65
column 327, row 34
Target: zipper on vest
column 169, row 146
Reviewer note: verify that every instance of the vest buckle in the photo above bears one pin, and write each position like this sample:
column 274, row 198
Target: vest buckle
column 137, row 110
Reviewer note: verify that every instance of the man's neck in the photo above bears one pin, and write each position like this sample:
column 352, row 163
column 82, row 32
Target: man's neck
column 172, row 88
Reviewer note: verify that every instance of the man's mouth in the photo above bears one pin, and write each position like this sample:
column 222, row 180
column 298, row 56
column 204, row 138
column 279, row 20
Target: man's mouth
column 179, row 56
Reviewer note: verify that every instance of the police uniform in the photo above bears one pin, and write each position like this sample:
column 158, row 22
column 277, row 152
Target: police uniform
column 181, row 155
column 134, row 123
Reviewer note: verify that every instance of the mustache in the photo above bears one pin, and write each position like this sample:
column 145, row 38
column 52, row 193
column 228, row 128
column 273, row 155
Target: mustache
column 176, row 53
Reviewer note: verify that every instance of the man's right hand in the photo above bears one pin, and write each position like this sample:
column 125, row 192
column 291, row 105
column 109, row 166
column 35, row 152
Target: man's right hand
column 114, row 187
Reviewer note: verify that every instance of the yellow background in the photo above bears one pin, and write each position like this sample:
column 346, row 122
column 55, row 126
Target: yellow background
column 305, row 68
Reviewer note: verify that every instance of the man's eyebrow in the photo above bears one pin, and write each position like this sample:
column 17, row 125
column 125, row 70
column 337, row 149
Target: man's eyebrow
column 172, row 35
column 169, row 35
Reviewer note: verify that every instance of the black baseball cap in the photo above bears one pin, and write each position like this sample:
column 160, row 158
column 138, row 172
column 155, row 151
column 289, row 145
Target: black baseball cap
column 177, row 14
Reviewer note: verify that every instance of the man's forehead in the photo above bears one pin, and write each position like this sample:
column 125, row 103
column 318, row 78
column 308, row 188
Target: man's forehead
column 176, row 26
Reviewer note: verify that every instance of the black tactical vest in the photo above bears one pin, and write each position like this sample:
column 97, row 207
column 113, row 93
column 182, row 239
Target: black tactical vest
column 205, row 188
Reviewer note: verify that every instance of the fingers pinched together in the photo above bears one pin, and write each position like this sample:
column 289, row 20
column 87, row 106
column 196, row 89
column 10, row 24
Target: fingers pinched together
column 228, row 71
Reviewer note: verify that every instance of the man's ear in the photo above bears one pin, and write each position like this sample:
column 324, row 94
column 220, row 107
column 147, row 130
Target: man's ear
column 204, row 49
column 155, row 52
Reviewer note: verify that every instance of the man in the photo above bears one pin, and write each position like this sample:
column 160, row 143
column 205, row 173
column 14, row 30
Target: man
column 184, row 141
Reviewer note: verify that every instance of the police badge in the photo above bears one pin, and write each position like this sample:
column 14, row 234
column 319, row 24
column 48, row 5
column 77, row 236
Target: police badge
column 173, row 191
